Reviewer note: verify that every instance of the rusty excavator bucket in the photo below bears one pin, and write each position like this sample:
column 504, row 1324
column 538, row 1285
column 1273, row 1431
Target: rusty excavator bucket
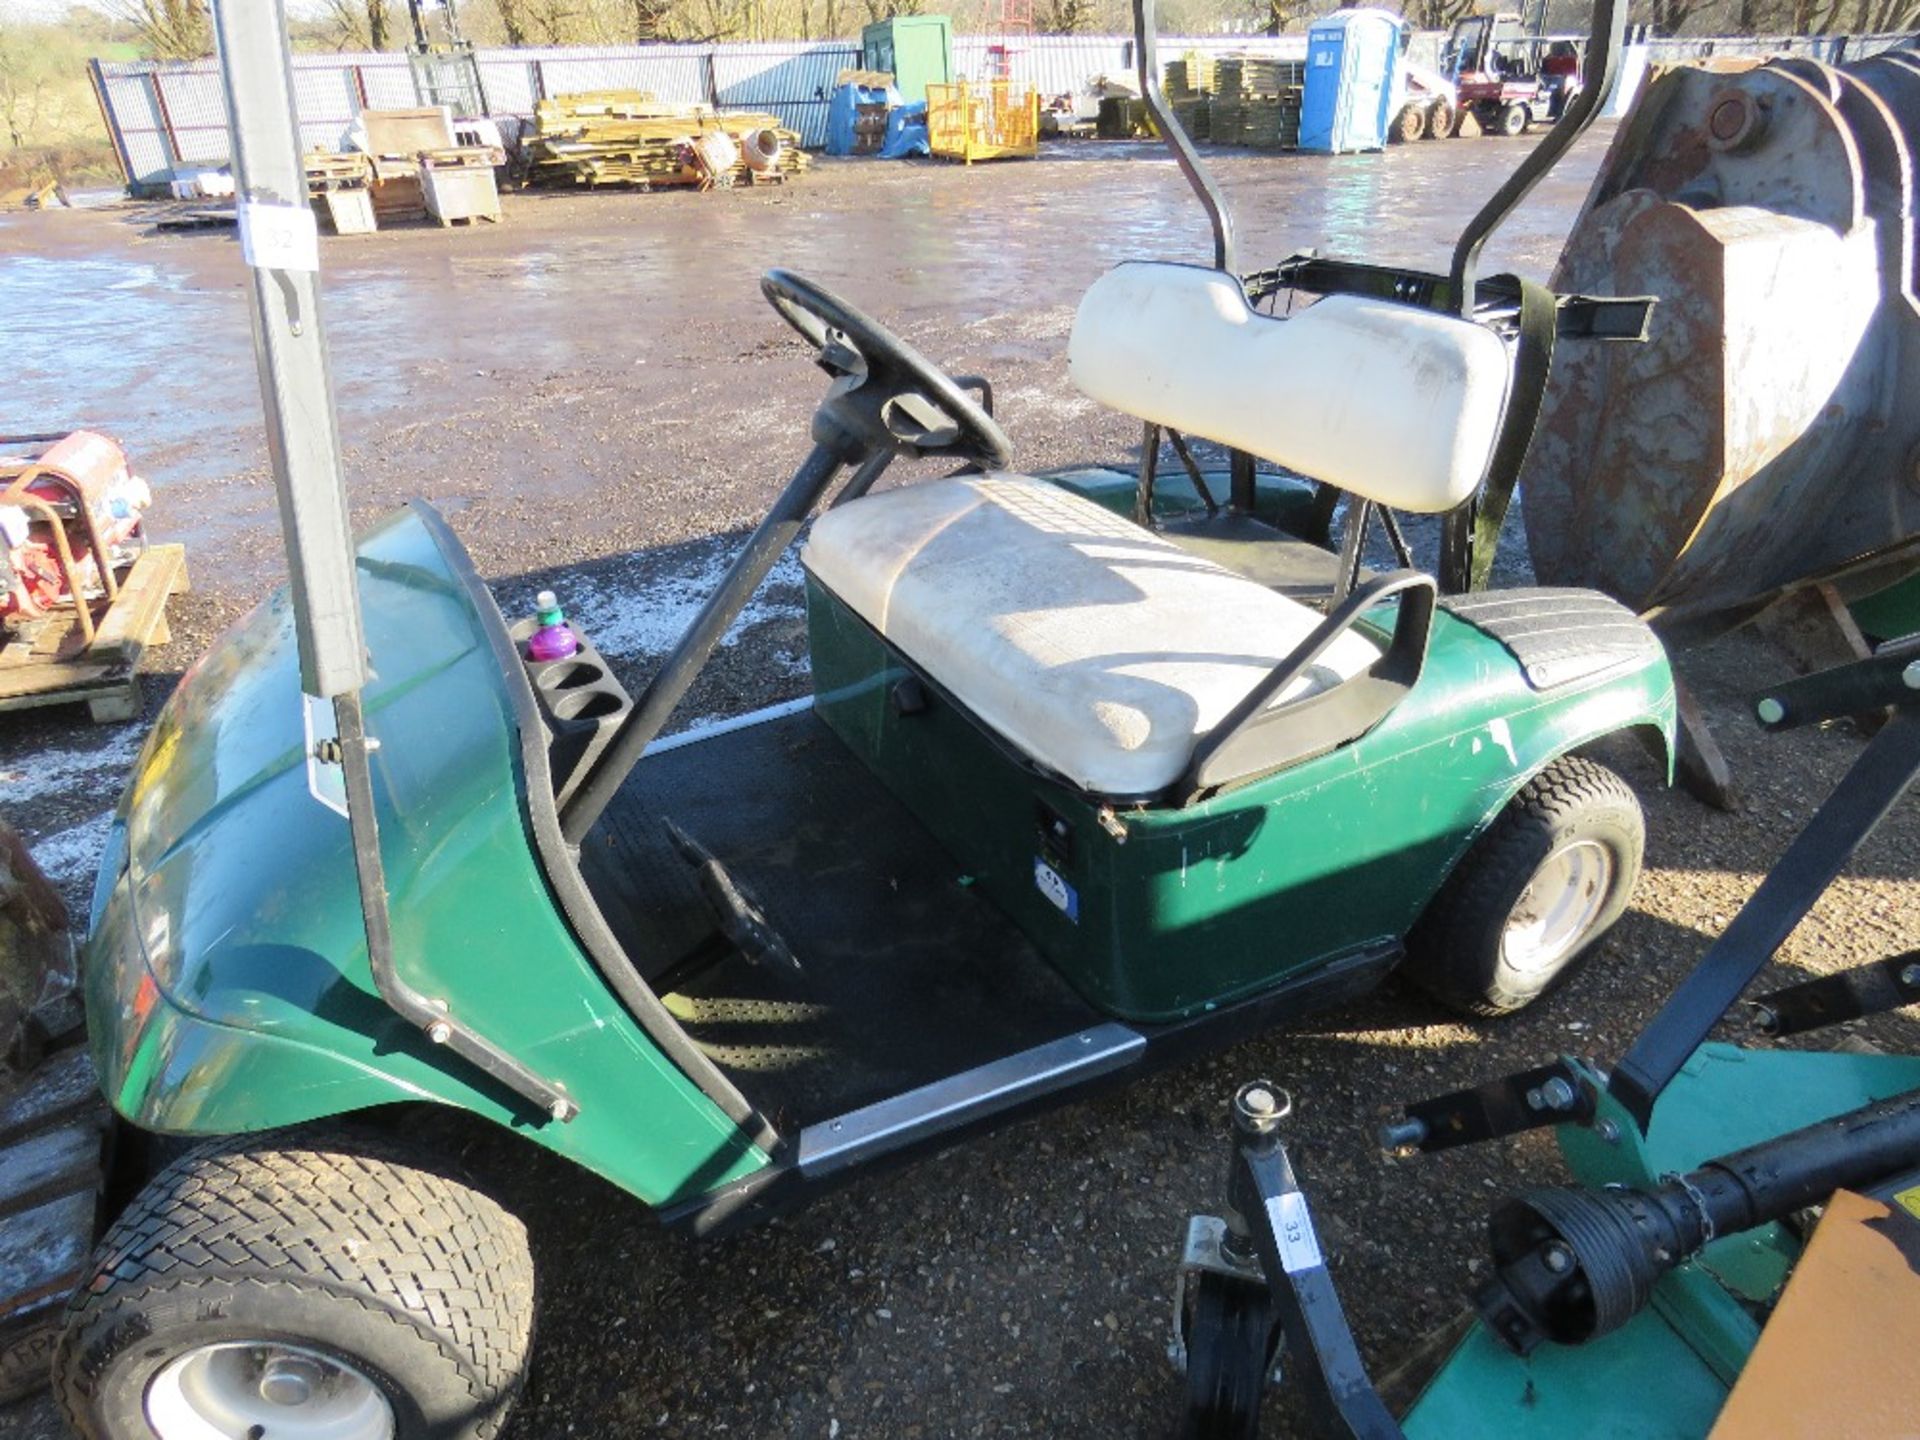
column 1768, row 435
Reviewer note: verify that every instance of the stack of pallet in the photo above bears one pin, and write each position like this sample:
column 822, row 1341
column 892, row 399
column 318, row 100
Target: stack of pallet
column 1257, row 101
column 337, row 186
column 1123, row 117
column 1189, row 81
column 1273, row 88
column 1229, row 109
column 630, row 138
column 1191, row 74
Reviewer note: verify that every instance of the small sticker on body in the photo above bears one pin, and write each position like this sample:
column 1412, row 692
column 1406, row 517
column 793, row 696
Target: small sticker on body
column 1909, row 1200
column 278, row 237
column 1063, row 896
column 1299, row 1246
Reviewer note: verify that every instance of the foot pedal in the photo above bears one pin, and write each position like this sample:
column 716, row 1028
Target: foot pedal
column 737, row 914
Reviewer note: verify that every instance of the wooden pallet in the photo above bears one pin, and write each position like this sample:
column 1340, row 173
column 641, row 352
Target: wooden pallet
column 46, row 663
column 53, row 1133
column 326, row 171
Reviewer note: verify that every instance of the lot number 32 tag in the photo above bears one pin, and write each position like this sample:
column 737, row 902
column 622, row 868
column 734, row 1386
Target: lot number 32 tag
column 278, row 237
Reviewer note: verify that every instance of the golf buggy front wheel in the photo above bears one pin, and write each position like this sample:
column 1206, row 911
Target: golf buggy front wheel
column 305, row 1292
column 1545, row 881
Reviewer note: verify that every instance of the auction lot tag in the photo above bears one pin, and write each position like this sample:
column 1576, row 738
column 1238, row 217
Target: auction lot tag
column 1293, row 1223
column 278, row 237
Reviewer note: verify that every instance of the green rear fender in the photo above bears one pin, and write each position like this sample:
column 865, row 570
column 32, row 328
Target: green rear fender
column 227, row 976
column 1509, row 749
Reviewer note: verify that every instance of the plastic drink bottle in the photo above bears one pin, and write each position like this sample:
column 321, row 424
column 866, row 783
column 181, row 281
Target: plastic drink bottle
column 553, row 640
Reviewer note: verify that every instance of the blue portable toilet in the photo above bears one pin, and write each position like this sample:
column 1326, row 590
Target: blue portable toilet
column 1352, row 57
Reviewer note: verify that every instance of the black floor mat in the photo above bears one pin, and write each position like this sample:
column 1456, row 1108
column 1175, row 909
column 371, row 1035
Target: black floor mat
column 910, row 975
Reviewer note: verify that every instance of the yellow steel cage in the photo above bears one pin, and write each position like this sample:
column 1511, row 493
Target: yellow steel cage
column 982, row 120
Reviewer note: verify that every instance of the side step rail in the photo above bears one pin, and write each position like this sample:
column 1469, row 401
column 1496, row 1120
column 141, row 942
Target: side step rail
column 988, row 1089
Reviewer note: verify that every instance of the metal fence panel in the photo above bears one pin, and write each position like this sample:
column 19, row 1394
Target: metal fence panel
column 136, row 119
column 793, row 82
column 512, row 84
column 386, row 83
column 676, row 73
column 171, row 114
column 191, row 105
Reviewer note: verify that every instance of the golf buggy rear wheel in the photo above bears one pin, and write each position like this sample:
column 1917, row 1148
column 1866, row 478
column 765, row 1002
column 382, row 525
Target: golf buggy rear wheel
column 1537, row 890
column 1512, row 119
column 303, row 1290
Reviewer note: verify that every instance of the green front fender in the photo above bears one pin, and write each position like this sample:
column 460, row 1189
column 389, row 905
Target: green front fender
column 227, row 976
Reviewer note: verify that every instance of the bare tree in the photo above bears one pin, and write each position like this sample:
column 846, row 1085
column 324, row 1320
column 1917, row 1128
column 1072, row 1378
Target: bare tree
column 358, row 24
column 22, row 86
column 168, row 29
column 1275, row 16
column 1438, row 14
column 652, row 20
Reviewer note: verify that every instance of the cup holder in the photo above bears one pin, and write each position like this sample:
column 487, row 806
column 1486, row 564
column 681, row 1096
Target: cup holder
column 568, row 675
column 579, row 704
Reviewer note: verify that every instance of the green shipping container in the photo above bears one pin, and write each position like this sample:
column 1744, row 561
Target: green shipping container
column 916, row 49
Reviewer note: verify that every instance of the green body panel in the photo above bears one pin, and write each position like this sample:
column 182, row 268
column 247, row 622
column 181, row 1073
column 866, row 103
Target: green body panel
column 1206, row 904
column 228, row 987
column 917, row 50
column 1891, row 613
column 1565, row 1394
column 1667, row 1372
column 1280, row 500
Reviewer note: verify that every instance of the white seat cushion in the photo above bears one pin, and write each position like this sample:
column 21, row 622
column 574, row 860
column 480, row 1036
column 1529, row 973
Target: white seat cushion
column 1098, row 649
column 1399, row 404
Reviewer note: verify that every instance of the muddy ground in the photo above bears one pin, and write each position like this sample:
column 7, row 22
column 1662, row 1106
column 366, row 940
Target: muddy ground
column 595, row 394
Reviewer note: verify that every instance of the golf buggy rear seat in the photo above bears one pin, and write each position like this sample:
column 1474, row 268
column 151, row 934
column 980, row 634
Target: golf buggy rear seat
column 1116, row 659
column 1099, row 650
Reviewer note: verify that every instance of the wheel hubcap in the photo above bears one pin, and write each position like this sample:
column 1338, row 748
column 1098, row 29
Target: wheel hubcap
column 265, row 1392
column 1558, row 907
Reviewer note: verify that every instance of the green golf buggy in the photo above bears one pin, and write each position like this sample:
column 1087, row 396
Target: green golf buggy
column 1101, row 770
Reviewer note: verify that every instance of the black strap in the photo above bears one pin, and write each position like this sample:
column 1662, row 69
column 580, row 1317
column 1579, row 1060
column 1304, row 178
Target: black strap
column 1471, row 534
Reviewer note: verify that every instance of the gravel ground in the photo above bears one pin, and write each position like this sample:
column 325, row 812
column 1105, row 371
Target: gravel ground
column 598, row 399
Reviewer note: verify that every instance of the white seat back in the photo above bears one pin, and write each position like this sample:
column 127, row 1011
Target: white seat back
column 1395, row 403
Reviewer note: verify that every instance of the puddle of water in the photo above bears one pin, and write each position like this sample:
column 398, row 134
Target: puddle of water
column 121, row 345
column 647, row 302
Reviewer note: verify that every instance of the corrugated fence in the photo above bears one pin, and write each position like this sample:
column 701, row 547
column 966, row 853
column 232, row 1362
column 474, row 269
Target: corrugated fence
column 171, row 115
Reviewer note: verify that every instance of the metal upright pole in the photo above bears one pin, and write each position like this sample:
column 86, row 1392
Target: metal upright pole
column 279, row 240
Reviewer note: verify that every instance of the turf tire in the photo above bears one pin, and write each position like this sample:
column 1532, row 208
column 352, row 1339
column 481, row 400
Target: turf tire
column 421, row 1284
column 1455, row 952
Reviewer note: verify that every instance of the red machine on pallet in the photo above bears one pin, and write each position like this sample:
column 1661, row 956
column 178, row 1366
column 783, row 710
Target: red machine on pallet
column 70, row 509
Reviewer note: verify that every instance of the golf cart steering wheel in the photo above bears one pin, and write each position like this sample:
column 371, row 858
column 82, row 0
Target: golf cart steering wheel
column 852, row 345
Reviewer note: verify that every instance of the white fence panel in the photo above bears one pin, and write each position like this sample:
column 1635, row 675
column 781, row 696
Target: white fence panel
column 169, row 114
